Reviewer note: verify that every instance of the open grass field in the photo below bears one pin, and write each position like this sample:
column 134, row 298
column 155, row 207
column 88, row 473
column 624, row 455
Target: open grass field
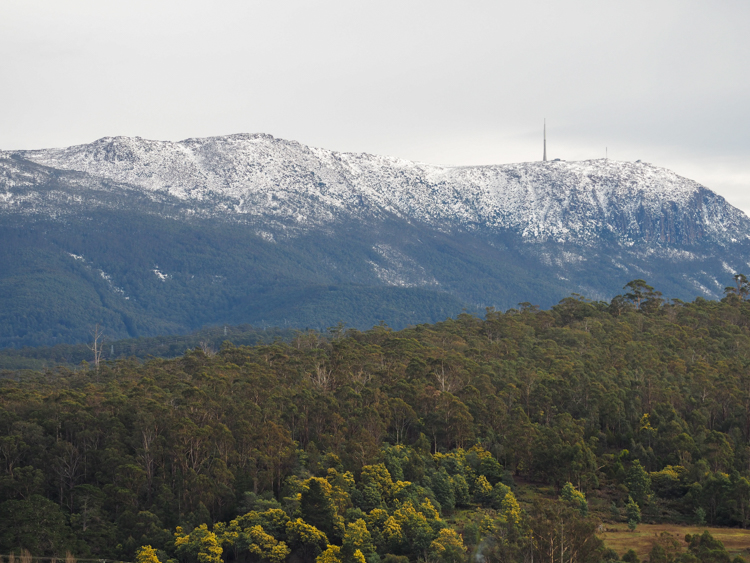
column 619, row 538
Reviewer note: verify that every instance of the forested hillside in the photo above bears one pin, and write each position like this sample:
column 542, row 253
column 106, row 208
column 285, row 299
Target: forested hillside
column 506, row 438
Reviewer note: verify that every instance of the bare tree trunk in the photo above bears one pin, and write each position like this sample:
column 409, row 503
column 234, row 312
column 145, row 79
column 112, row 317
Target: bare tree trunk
column 97, row 346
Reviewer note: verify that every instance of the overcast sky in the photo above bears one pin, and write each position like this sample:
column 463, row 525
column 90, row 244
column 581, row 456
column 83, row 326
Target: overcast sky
column 459, row 83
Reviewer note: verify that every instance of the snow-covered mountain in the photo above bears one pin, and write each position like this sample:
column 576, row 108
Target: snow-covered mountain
column 149, row 237
column 259, row 177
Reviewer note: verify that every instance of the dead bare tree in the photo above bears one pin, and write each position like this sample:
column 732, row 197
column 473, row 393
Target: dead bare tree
column 97, row 346
column 323, row 376
column 207, row 349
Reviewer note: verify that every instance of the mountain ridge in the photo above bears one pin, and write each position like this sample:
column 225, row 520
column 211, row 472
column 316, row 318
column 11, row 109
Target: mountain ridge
column 257, row 175
column 155, row 237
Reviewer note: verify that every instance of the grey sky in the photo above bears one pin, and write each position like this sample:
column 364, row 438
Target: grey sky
column 443, row 82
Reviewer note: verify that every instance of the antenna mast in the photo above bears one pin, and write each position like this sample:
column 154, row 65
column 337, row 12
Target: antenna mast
column 544, row 158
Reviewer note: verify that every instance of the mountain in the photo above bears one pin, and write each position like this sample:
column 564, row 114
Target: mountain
column 153, row 237
column 295, row 188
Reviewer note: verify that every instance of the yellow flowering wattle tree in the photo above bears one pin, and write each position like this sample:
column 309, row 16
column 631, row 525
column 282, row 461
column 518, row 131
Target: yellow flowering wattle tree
column 200, row 545
column 146, row 554
column 305, row 538
column 448, row 547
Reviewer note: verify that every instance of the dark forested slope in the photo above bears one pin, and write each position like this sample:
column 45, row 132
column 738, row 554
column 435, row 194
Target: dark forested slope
column 373, row 442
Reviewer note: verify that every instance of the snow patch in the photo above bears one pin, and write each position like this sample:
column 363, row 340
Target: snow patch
column 112, row 286
column 728, row 268
column 397, row 269
column 707, row 292
column 161, row 276
column 265, row 235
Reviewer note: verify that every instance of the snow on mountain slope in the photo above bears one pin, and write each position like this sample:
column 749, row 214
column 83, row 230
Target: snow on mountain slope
column 260, row 177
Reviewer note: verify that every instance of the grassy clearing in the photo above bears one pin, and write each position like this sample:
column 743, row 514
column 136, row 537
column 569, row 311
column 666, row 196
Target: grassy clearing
column 619, row 538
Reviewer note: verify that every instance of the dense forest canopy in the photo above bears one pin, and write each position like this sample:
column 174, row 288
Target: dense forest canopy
column 383, row 445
